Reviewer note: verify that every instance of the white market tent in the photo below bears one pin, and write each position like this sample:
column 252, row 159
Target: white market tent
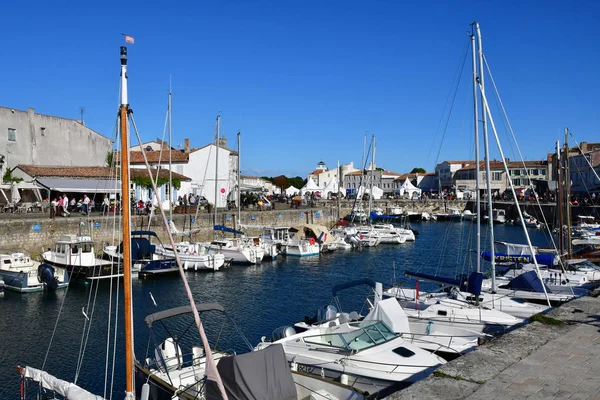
column 310, row 187
column 331, row 187
column 291, row 191
column 10, row 191
column 377, row 193
column 407, row 189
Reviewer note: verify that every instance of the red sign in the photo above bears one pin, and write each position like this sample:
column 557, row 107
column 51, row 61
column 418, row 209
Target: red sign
column 222, row 190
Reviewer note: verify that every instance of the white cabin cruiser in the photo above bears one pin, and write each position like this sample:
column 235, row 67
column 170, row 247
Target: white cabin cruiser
column 289, row 241
column 76, row 255
column 22, row 274
column 238, row 250
column 367, row 353
column 194, row 256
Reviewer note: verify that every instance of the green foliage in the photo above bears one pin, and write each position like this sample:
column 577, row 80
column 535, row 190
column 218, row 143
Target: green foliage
column 109, row 159
column 544, row 319
column 9, row 178
column 297, row 182
column 145, row 181
column 418, row 170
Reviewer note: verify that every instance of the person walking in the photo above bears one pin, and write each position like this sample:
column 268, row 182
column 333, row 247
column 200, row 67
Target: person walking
column 85, row 208
column 53, row 205
column 105, row 205
column 65, row 205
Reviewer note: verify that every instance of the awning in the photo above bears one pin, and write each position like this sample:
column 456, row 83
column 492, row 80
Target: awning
column 74, row 185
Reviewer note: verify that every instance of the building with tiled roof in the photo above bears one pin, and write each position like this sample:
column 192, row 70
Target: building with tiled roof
column 27, row 137
column 91, row 180
column 445, row 171
column 465, row 179
column 324, row 176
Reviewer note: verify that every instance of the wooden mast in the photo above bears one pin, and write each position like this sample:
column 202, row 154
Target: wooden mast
column 125, row 221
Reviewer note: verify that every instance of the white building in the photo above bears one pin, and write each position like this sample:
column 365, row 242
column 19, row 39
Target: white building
column 323, row 176
column 257, row 184
column 445, row 171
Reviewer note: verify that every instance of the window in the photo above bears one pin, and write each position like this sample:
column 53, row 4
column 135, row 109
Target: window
column 543, row 172
column 516, row 182
column 403, row 352
column 12, row 134
column 535, row 172
column 43, row 131
column 517, row 172
column 496, row 176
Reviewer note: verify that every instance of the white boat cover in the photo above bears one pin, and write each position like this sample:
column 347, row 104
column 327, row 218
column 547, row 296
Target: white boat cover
column 513, row 249
column 68, row 390
column 258, row 375
column 390, row 312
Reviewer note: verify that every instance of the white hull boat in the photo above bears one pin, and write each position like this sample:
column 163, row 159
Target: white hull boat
column 22, row 274
column 194, row 256
column 239, row 251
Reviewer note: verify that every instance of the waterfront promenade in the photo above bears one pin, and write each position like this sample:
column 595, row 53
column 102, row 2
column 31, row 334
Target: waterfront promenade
column 537, row 361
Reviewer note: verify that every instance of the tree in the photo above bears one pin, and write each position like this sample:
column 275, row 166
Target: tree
column 418, row 170
column 9, row 178
column 109, row 159
column 297, row 182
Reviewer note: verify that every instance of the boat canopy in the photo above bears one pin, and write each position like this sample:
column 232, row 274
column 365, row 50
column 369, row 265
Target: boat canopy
column 226, row 229
column 390, row 312
column 173, row 312
column 347, row 285
column 320, row 232
column 257, row 375
column 144, row 233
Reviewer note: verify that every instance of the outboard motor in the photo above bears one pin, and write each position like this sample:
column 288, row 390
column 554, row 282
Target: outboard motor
column 282, row 332
column 46, row 275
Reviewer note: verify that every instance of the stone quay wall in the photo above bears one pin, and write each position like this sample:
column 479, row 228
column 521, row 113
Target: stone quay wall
column 35, row 232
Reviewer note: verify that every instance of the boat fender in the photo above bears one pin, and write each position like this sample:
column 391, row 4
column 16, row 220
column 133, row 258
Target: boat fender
column 311, row 240
column 145, row 395
column 429, row 327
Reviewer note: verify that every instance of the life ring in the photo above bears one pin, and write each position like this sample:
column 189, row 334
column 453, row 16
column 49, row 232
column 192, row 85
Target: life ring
column 311, row 241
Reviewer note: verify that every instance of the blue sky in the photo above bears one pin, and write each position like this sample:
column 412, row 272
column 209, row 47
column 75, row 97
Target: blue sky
column 305, row 80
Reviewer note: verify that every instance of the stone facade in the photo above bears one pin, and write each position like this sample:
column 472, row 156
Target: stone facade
column 37, row 139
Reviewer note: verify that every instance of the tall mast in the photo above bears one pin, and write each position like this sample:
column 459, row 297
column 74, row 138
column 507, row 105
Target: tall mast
column 488, row 178
column 372, row 174
column 476, row 129
column 239, row 188
column 216, row 172
column 337, row 195
column 559, row 180
column 125, row 221
column 170, row 161
column 568, row 192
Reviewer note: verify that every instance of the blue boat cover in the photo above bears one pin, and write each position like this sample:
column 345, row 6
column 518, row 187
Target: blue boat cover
column 528, row 281
column 226, row 229
column 346, row 285
column 542, row 259
column 375, row 216
column 471, row 284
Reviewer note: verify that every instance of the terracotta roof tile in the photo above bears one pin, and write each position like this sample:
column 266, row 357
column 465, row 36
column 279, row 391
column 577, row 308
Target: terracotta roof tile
column 493, row 165
column 519, row 164
column 317, row 172
column 38, row 171
column 136, row 157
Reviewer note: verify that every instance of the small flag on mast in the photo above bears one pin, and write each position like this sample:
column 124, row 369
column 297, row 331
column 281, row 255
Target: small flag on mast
column 129, row 39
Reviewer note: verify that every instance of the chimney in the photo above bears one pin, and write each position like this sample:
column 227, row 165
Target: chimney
column 223, row 142
column 186, row 145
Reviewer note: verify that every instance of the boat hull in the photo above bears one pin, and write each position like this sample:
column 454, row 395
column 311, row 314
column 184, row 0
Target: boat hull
column 102, row 270
column 28, row 282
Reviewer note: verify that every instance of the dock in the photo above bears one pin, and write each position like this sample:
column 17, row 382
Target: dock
column 536, row 361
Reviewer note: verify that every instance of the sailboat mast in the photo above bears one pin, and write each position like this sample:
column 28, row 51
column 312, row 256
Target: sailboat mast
column 239, row 188
column 125, row 221
column 372, row 175
column 476, row 129
column 559, row 180
column 216, row 172
column 170, row 160
column 488, row 177
column 568, row 192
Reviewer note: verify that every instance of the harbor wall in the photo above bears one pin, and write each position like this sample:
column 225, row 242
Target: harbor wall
column 34, row 232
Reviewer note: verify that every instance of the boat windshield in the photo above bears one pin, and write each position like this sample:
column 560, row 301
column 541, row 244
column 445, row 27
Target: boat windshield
column 367, row 334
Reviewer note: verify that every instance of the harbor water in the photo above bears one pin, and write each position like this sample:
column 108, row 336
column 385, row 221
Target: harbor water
column 259, row 299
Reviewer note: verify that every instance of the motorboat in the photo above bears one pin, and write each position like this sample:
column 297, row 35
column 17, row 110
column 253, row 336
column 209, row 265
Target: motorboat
column 145, row 258
column 366, row 354
column 76, row 255
column 290, row 242
column 22, row 274
column 406, row 233
column 176, row 367
column 452, row 214
column 498, row 216
column 369, row 237
column 441, row 339
column 238, row 250
column 194, row 256
column 451, row 309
